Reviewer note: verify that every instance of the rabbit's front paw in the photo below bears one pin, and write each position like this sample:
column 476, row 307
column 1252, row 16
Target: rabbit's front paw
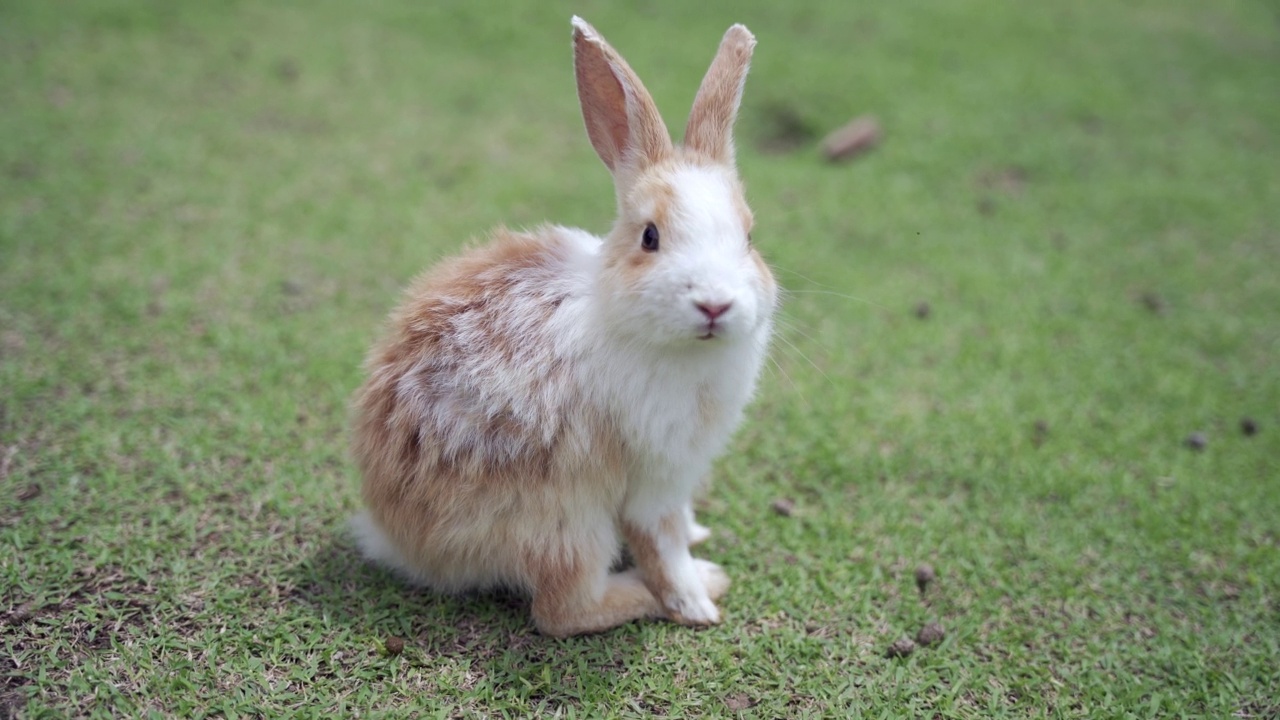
column 694, row 609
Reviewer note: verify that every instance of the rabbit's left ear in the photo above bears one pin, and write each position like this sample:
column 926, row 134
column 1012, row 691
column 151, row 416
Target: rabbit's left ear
column 622, row 121
column 710, row 128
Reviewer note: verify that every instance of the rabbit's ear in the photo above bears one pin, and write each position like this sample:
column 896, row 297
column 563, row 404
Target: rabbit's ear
column 622, row 121
column 710, row 128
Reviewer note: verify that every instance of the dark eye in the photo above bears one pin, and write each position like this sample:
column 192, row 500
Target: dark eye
column 649, row 241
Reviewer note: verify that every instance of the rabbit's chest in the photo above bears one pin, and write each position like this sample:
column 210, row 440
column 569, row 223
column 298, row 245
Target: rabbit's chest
column 682, row 416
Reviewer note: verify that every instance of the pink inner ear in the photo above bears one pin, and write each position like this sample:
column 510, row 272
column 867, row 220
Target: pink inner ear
column 622, row 121
column 604, row 102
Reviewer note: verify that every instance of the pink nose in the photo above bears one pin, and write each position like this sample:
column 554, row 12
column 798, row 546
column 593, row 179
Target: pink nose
column 714, row 310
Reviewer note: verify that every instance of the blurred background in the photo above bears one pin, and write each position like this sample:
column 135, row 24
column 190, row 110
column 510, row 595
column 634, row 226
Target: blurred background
column 1030, row 339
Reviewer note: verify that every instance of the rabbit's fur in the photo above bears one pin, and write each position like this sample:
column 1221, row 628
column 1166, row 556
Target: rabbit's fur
column 542, row 398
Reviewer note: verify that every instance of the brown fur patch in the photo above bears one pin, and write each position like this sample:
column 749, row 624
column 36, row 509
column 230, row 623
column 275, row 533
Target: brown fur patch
column 710, row 126
column 643, row 544
column 635, row 266
column 651, row 198
column 765, row 273
column 434, row 488
column 653, row 188
column 654, row 183
column 564, row 601
column 744, row 212
column 626, row 259
column 558, row 583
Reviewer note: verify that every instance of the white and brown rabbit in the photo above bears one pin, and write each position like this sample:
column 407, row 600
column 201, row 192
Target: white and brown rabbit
column 542, row 398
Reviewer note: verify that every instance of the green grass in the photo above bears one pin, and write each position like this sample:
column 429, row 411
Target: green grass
column 207, row 209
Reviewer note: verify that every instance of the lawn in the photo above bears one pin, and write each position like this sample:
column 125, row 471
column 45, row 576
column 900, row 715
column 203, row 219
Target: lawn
column 1032, row 339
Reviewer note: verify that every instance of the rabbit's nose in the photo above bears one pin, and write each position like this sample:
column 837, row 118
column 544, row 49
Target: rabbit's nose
column 713, row 310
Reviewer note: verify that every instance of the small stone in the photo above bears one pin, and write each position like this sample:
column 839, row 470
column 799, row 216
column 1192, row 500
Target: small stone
column 30, row 492
column 930, row 634
column 1249, row 427
column 1196, row 441
column 394, row 645
column 860, row 135
column 923, row 310
column 901, row 648
column 924, row 576
column 784, row 506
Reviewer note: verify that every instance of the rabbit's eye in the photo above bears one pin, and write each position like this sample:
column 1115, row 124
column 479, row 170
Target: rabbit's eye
column 649, row 241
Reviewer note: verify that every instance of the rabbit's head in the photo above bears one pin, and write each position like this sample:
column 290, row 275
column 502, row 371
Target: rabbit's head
column 678, row 266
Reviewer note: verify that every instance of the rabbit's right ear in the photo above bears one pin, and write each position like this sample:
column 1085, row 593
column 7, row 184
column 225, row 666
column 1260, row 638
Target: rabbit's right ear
column 622, row 120
column 710, row 128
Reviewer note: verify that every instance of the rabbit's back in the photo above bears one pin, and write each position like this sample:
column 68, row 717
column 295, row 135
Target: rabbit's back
column 470, row 430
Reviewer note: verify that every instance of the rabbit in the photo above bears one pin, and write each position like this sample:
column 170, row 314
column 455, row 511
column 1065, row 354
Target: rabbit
column 542, row 398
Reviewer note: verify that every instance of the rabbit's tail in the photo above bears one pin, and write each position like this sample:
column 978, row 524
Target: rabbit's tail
column 377, row 547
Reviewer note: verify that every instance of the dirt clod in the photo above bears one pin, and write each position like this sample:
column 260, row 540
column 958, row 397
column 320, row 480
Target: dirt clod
column 23, row 170
column 860, row 135
column 923, row 310
column 1196, row 441
column 287, row 70
column 22, row 613
column 1039, row 433
column 1153, row 302
column 931, row 634
column 29, row 492
column 901, row 648
column 784, row 506
column 924, row 576
column 394, row 645
column 1249, row 427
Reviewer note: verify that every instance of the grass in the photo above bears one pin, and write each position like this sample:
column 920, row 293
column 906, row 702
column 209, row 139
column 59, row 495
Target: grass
column 206, row 211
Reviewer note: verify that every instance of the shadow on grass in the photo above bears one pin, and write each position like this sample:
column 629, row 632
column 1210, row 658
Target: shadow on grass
column 491, row 630
column 343, row 588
